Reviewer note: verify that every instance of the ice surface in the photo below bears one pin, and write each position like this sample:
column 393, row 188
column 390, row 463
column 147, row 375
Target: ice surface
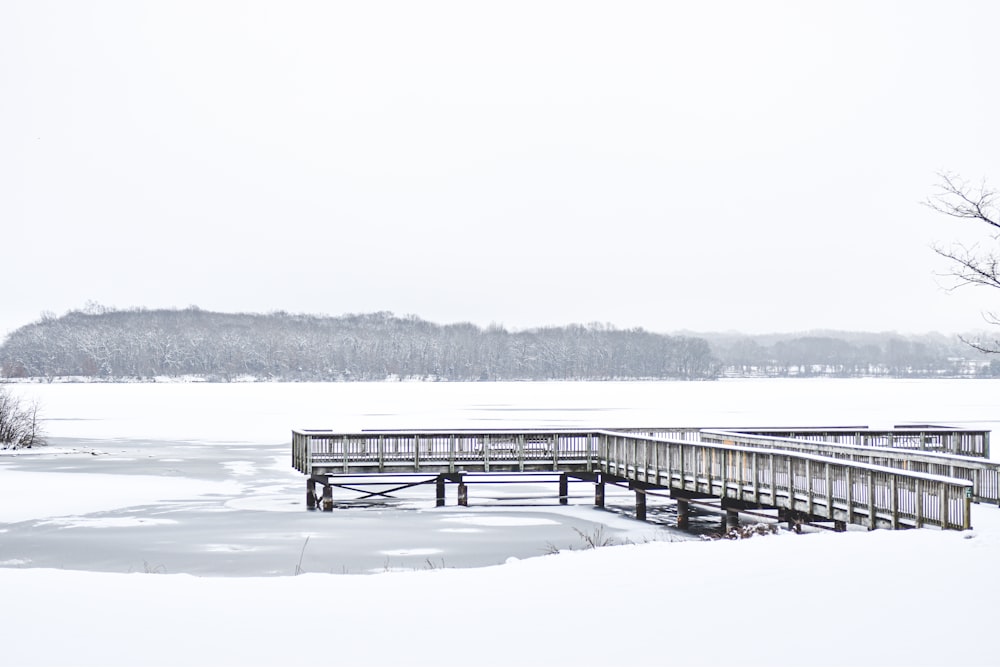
column 919, row 597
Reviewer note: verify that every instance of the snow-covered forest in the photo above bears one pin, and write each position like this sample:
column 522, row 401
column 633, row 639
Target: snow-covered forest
column 144, row 343
column 114, row 344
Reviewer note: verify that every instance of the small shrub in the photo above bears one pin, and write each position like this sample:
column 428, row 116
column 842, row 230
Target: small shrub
column 745, row 532
column 595, row 538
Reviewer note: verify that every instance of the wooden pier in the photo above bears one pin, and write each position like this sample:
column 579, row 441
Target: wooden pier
column 806, row 479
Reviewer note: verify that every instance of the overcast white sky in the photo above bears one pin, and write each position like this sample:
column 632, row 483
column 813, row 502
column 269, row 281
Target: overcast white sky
column 698, row 165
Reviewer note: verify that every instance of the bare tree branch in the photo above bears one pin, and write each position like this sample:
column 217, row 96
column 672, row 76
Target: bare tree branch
column 955, row 198
column 970, row 266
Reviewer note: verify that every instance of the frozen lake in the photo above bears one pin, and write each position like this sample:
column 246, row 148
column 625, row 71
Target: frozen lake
column 196, row 478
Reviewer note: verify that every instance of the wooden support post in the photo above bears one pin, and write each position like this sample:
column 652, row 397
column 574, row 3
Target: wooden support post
column 563, row 489
column 682, row 514
column 599, row 491
column 327, row 498
column 840, row 526
column 640, row 505
column 310, row 494
column 439, row 491
column 732, row 519
column 463, row 494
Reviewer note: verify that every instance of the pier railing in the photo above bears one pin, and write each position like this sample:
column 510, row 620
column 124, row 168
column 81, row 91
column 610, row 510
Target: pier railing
column 326, row 452
column 984, row 475
column 836, row 489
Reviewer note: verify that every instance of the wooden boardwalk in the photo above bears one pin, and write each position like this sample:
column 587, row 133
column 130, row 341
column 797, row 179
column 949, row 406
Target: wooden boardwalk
column 800, row 478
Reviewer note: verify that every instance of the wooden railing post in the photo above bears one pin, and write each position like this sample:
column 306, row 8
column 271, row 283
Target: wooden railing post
column 791, row 484
column 828, row 476
column 756, row 479
column 919, row 504
column 809, row 493
column 871, row 500
column 774, row 481
column 967, row 518
column 308, row 445
column 849, row 481
column 894, row 501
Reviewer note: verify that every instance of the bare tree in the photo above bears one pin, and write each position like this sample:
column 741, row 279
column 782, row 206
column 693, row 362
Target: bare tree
column 19, row 423
column 971, row 264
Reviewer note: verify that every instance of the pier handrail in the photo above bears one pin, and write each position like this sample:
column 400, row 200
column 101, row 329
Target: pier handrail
column 943, row 439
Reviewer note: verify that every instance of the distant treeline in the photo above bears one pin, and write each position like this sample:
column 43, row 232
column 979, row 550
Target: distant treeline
column 847, row 354
column 112, row 344
column 138, row 343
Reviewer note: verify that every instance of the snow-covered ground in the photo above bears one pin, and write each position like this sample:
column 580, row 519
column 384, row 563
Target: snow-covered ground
column 908, row 598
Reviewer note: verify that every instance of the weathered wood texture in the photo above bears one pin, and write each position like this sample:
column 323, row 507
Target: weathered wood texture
column 826, row 487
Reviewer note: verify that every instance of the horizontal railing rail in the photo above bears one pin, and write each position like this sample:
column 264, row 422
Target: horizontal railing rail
column 923, row 438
